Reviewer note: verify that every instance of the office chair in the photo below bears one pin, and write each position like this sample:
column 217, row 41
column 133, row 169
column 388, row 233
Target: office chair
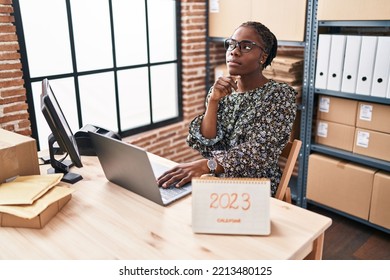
column 290, row 152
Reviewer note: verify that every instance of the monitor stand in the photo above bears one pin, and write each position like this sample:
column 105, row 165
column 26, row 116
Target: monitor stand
column 61, row 166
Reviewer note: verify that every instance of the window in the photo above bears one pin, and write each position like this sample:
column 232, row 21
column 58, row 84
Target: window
column 111, row 63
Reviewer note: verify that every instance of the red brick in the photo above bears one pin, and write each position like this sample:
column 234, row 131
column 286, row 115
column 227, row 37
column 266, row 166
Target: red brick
column 8, row 37
column 15, row 108
column 6, row 9
column 158, row 146
column 9, row 127
column 9, row 118
column 10, row 66
column 6, row 94
column 7, row 19
column 11, row 74
column 24, row 124
column 9, row 55
column 6, row 2
column 7, row 29
column 9, row 47
column 25, row 132
column 11, row 83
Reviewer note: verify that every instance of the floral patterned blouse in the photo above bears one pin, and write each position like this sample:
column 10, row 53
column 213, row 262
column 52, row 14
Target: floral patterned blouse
column 252, row 129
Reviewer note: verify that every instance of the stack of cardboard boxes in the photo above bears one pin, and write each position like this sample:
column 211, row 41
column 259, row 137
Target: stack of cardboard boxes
column 372, row 137
column 18, row 157
column 288, row 69
column 360, row 128
column 336, row 119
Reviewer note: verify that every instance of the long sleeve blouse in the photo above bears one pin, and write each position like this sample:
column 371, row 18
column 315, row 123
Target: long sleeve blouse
column 253, row 127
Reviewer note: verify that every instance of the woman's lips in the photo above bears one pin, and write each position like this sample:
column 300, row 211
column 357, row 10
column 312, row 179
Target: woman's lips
column 233, row 63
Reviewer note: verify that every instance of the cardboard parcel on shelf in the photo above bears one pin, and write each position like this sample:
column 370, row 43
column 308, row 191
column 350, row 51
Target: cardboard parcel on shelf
column 32, row 201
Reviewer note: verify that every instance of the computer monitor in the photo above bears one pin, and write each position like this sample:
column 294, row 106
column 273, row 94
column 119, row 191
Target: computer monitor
column 61, row 134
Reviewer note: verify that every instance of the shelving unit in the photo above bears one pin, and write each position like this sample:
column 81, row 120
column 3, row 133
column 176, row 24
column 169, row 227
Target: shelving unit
column 358, row 97
column 365, row 27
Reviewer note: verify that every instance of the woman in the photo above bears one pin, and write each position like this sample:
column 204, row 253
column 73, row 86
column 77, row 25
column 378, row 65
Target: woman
column 248, row 118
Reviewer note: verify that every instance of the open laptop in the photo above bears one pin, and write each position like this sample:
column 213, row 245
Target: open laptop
column 129, row 167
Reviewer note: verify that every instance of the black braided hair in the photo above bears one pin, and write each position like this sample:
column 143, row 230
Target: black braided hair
column 269, row 39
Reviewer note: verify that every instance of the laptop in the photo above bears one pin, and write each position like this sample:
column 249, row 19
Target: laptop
column 129, row 167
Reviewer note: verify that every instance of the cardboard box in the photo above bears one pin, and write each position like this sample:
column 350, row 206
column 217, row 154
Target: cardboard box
column 224, row 17
column 353, row 10
column 337, row 110
column 340, row 185
column 380, row 201
column 278, row 14
column 18, row 155
column 372, row 143
column 8, row 220
column 373, row 117
column 335, row 135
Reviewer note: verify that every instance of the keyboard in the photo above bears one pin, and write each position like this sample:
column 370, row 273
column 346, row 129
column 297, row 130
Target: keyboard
column 171, row 192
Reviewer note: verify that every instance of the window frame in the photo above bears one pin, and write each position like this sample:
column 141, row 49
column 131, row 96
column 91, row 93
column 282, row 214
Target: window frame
column 75, row 74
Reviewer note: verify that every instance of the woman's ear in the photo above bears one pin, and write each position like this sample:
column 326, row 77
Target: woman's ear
column 263, row 58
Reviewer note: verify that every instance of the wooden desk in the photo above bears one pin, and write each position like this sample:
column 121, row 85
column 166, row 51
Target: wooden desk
column 104, row 221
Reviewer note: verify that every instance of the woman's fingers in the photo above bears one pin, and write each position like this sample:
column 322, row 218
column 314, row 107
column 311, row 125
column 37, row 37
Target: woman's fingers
column 171, row 177
column 183, row 181
column 224, row 86
column 182, row 174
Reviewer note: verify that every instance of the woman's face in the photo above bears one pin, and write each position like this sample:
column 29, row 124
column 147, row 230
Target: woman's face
column 246, row 63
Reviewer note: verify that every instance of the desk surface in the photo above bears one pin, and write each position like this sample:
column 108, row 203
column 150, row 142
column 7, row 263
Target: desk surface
column 104, row 221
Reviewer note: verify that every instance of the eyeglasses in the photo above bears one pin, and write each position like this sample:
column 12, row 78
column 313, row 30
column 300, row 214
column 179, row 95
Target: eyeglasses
column 244, row 45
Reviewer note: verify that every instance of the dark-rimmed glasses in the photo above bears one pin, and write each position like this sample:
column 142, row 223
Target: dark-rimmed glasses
column 244, row 45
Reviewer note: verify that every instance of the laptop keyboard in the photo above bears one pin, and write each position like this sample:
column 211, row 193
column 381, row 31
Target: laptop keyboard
column 171, row 192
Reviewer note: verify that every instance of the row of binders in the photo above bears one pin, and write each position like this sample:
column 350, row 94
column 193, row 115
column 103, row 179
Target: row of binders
column 354, row 64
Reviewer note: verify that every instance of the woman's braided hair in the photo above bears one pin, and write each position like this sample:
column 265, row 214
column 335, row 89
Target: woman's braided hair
column 269, row 39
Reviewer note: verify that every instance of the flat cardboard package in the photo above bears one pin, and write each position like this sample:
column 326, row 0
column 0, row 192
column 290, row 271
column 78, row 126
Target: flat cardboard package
column 335, row 135
column 337, row 110
column 372, row 143
column 8, row 220
column 341, row 185
column 18, row 155
column 373, row 116
column 380, row 201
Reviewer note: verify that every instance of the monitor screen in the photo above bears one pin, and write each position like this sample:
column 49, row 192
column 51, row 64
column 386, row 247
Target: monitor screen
column 61, row 132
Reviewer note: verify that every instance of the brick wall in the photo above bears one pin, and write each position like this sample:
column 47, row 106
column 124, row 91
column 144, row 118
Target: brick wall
column 13, row 106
